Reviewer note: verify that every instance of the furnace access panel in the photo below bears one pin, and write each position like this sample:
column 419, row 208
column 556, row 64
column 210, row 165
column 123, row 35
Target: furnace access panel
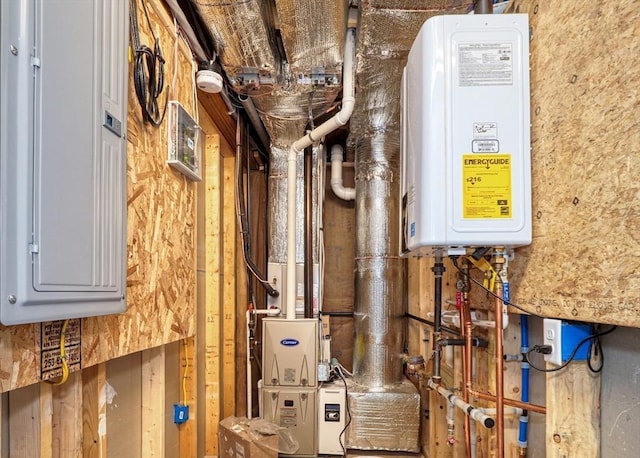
column 290, row 349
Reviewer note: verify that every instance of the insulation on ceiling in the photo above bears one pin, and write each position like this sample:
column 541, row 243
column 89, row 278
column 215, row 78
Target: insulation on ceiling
column 313, row 35
column 244, row 38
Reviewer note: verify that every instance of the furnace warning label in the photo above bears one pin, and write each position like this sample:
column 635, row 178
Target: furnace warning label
column 486, row 186
column 50, row 359
column 485, row 64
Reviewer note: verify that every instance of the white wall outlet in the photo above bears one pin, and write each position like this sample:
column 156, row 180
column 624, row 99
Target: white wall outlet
column 552, row 335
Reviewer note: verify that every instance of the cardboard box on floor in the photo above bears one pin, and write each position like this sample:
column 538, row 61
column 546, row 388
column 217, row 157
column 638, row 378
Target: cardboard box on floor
column 236, row 440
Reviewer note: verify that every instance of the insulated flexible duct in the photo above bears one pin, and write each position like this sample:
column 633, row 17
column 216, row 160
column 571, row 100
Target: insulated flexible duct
column 379, row 270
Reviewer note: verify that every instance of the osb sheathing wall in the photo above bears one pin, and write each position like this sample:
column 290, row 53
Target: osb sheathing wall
column 160, row 240
column 583, row 263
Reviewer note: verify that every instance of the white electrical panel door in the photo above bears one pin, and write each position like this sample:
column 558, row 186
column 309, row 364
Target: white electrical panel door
column 296, row 410
column 63, row 97
column 466, row 134
column 289, row 352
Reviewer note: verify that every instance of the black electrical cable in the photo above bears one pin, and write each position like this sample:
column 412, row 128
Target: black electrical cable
column 454, row 260
column 337, row 313
column 431, row 323
column 596, row 336
column 596, row 348
column 148, row 70
column 346, row 425
column 243, row 222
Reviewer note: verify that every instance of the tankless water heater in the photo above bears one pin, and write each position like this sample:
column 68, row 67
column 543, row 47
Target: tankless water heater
column 465, row 142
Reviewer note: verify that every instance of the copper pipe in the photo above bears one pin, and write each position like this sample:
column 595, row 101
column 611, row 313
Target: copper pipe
column 468, row 360
column 510, row 402
column 499, row 352
column 498, row 263
column 466, row 373
column 467, row 355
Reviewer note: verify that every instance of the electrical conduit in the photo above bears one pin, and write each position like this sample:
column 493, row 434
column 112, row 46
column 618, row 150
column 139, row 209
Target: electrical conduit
column 338, row 120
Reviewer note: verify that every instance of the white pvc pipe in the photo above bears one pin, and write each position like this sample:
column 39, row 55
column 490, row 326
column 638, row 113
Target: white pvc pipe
column 470, row 410
column 336, row 175
column 338, row 120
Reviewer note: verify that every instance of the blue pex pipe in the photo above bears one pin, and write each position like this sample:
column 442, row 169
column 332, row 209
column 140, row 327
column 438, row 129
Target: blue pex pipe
column 524, row 370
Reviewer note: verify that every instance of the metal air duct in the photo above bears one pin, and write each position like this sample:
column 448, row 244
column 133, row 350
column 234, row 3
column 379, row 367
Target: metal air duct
column 387, row 30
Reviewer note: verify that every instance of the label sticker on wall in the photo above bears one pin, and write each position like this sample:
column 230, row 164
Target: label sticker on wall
column 486, row 186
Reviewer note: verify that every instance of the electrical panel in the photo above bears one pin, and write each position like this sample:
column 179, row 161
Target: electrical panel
column 185, row 141
column 290, row 352
column 63, row 98
column 465, row 141
column 296, row 410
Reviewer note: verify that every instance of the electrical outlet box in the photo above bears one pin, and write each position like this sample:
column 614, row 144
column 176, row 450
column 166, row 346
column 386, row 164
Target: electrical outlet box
column 180, row 413
column 564, row 336
column 323, row 372
column 552, row 334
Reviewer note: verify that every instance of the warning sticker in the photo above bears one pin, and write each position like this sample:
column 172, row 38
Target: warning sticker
column 50, row 360
column 486, row 186
column 485, row 64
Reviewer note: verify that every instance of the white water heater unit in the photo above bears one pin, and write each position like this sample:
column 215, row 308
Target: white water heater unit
column 466, row 164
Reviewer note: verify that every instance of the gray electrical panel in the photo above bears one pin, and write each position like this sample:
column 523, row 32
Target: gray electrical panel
column 63, row 98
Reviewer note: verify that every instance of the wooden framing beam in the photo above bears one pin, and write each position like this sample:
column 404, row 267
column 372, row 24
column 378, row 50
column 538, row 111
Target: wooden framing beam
column 66, row 403
column 24, row 422
column 94, row 412
column 188, row 430
column 573, row 412
column 153, row 402
column 229, row 233
column 210, row 336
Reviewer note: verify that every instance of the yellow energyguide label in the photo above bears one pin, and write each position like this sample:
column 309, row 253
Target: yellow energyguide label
column 486, row 186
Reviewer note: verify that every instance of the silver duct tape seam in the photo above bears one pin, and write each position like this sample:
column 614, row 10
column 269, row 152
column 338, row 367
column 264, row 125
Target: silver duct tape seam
column 388, row 419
